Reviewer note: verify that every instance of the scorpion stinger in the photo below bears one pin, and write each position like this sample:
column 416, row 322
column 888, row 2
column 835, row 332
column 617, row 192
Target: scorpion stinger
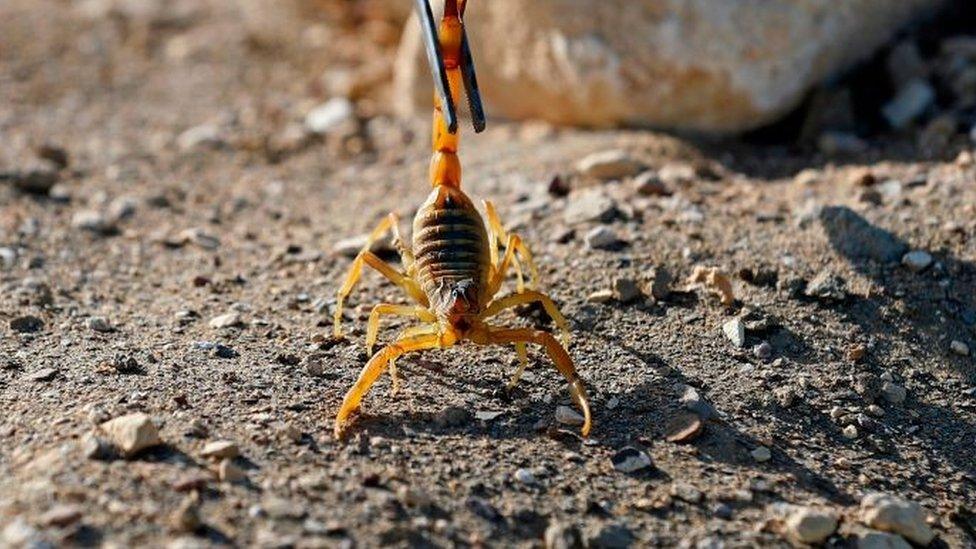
column 439, row 70
column 453, row 268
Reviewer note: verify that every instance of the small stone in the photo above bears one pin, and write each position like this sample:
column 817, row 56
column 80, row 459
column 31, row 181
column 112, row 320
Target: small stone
column 413, row 497
column 677, row 173
column 8, row 257
column 761, row 454
column 221, row 449
column 525, row 477
column 911, row 101
column 132, row 433
column 723, row 511
column 228, row 471
column 881, row 540
column 600, row 296
column 122, row 207
column 37, row 179
column 568, row 416
column 809, row 525
column 92, row 221
column 292, row 433
column 893, row 392
column 223, row 351
column 61, row 516
column 93, row 447
column 625, row 289
column 611, row 536
column 763, row 351
column 612, row 164
column 315, row 365
column 854, row 237
column 684, row 428
column 602, row 238
column 827, row 287
column 199, row 237
column 589, row 205
column 350, row 247
column 693, row 402
column 630, row 460
column 204, row 136
column 917, row 260
column 875, row 410
column 329, row 116
column 488, row 415
column 227, row 320
column 959, row 348
column 660, row 283
column 99, row 324
column 893, row 514
column 735, row 330
column 850, row 432
column 44, row 374
column 650, row 184
column 452, row 416
column 186, row 517
column 716, row 281
column 560, row 535
column 686, row 492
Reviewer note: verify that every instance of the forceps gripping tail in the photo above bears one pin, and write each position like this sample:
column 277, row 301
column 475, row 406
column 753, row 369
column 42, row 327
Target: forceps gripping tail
column 435, row 57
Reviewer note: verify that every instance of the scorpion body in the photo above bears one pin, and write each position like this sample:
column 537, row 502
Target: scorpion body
column 453, row 268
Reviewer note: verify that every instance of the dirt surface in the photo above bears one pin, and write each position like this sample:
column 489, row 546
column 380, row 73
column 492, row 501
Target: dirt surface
column 149, row 235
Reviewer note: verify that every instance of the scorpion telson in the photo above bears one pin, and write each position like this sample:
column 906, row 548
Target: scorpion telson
column 453, row 268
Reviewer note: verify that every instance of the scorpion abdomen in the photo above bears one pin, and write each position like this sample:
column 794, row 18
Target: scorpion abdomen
column 450, row 245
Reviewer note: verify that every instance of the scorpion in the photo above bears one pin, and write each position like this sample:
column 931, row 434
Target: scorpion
column 453, row 268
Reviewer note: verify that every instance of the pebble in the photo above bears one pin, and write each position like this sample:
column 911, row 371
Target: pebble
column 611, row 164
column 677, row 173
column 684, row 428
column 199, row 237
column 959, row 348
column 911, row 101
column 650, row 184
column 660, row 283
column 686, row 492
column 92, row 221
column 221, row 449
column 589, row 205
column 625, row 289
column 853, row 236
column 223, row 351
column 452, row 416
column 826, row 287
column 99, row 324
column 917, row 260
column 202, row 136
column 602, row 238
column 329, row 116
column 61, row 515
column 568, row 416
column 611, row 536
column 761, row 454
column 850, row 432
column 8, row 257
column 693, row 402
column 893, row 392
column 315, row 365
column 631, row 460
column 525, row 477
column 561, row 535
column 227, row 320
column 893, row 514
column 44, row 374
column 132, row 433
column 228, row 471
column 735, row 330
column 809, row 525
column 763, row 351
column 186, row 517
column 350, row 247
column 37, row 179
column 881, row 540
column 875, row 410
column 600, row 296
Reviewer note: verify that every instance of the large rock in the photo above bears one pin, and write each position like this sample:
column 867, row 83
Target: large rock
column 714, row 65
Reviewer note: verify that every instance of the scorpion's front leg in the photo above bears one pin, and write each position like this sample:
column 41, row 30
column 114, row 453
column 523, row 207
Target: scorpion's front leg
column 373, row 327
column 371, row 372
column 366, row 257
column 558, row 355
column 531, row 296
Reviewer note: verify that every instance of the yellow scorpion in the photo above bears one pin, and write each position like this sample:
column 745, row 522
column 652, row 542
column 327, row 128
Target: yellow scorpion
column 453, row 270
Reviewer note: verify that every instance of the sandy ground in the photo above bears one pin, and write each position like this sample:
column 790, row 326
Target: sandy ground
column 148, row 236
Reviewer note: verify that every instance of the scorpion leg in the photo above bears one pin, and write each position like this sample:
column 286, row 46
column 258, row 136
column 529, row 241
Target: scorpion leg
column 558, row 355
column 523, row 356
column 369, row 258
column 531, row 296
column 373, row 327
column 498, row 274
column 372, row 371
column 495, row 224
column 413, row 331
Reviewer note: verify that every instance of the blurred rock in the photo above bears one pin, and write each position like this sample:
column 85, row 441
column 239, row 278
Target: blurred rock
column 910, row 103
column 706, row 65
column 612, row 164
column 329, row 116
column 893, row 514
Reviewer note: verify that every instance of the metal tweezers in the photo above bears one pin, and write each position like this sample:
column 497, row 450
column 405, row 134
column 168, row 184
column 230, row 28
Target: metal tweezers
column 439, row 72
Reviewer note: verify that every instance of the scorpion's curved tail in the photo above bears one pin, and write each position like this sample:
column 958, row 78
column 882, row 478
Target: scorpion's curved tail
column 451, row 65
